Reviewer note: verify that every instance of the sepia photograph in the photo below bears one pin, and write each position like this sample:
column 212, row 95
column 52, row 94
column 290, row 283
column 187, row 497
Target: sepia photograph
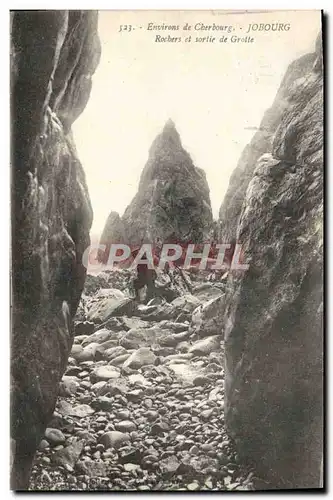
column 167, row 227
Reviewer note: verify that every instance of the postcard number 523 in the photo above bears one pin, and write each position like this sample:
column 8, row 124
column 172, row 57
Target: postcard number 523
column 125, row 27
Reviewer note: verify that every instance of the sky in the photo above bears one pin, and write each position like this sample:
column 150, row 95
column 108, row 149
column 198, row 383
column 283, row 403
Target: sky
column 216, row 93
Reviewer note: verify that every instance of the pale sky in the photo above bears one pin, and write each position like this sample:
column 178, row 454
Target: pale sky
column 216, row 93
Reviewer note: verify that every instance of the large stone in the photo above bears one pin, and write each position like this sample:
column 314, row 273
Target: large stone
column 92, row 468
column 76, row 350
column 170, row 285
column 103, row 403
column 54, row 436
column 87, row 353
column 104, row 373
column 205, row 346
column 273, row 315
column 98, row 337
column 174, row 339
column 133, row 339
column 119, row 360
column 180, row 306
column 68, row 386
column 143, row 337
column 134, row 323
column 81, row 411
column 184, row 371
column 141, row 357
column 98, row 388
column 67, row 457
column 54, row 55
column 168, row 466
column 115, row 386
column 125, row 426
column 114, row 439
column 116, row 304
column 114, row 352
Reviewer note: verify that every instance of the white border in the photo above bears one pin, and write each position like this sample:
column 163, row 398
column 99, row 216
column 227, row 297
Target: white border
column 5, row 177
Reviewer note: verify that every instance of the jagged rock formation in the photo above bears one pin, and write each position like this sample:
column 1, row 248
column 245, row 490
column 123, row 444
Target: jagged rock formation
column 260, row 144
column 172, row 199
column 273, row 315
column 114, row 229
column 54, row 54
column 114, row 232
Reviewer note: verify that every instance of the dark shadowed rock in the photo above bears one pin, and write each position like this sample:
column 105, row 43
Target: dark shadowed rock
column 84, row 328
column 273, row 316
column 94, row 283
column 103, row 403
column 54, row 54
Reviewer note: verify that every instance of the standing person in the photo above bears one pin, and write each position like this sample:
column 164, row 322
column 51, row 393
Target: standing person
column 145, row 277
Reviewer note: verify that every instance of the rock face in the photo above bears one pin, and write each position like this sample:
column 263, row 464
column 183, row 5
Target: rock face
column 273, row 315
column 172, row 199
column 54, row 54
column 260, row 144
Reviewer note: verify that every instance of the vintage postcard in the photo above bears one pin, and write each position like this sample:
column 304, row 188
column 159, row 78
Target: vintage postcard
column 167, row 250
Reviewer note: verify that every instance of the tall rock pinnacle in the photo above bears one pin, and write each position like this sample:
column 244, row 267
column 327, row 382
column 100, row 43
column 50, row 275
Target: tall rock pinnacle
column 172, row 198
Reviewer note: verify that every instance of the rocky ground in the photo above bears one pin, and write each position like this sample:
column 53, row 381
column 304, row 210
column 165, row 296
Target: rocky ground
column 141, row 402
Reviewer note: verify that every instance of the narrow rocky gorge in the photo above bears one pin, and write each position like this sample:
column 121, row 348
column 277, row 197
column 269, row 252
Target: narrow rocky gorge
column 141, row 404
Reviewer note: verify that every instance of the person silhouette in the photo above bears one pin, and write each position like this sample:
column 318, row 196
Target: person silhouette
column 145, row 277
